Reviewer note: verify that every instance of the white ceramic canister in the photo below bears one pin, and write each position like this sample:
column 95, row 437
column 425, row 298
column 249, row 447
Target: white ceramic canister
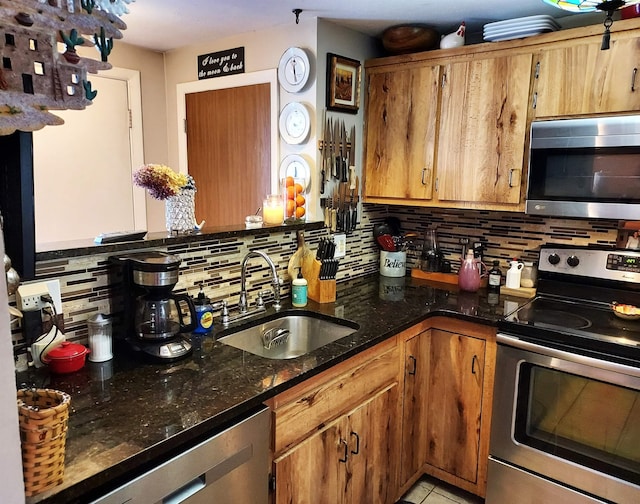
column 513, row 274
column 393, row 264
column 100, row 338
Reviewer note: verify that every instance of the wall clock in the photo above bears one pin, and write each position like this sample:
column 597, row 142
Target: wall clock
column 294, row 69
column 294, row 123
column 297, row 167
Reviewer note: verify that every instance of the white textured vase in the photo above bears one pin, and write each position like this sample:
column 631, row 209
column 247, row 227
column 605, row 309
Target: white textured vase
column 180, row 212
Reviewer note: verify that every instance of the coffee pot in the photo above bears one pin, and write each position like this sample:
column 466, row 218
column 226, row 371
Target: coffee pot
column 155, row 316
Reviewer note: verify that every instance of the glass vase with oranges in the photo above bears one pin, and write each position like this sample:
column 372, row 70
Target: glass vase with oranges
column 295, row 200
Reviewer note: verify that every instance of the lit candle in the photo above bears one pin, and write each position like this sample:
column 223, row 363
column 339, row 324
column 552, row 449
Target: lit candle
column 273, row 209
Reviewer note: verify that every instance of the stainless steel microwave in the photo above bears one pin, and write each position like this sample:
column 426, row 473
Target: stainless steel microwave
column 587, row 167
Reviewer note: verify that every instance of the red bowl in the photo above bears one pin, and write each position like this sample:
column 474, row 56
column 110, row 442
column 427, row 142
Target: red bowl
column 66, row 358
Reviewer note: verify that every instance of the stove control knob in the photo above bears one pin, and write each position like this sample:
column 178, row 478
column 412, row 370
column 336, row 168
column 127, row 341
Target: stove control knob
column 573, row 261
column 554, row 259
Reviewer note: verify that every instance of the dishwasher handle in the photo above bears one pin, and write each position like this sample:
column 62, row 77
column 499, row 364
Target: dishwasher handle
column 182, row 494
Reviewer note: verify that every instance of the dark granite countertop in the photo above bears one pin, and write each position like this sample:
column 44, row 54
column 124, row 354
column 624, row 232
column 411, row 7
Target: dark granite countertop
column 127, row 416
column 77, row 248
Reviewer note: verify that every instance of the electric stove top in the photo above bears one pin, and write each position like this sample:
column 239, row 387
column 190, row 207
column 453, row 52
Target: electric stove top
column 573, row 308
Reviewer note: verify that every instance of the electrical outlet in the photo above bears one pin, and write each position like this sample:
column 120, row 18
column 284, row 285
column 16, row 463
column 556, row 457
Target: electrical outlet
column 341, row 245
column 29, row 295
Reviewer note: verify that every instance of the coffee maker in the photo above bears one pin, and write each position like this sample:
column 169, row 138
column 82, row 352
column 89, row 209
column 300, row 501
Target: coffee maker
column 153, row 314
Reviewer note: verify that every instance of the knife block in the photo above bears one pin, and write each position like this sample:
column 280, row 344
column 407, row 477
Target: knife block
column 322, row 291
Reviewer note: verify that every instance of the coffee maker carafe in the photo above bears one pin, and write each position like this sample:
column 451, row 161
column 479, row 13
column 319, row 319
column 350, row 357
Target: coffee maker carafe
column 154, row 315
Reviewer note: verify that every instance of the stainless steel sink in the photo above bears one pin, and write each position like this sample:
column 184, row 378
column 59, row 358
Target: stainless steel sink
column 288, row 335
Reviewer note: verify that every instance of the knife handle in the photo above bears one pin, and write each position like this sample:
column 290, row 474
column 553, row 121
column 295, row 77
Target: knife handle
column 352, row 178
column 343, row 171
column 334, row 220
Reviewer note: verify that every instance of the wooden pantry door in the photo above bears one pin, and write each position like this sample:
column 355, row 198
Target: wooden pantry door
column 229, row 151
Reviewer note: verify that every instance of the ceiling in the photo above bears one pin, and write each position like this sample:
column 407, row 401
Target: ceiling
column 168, row 24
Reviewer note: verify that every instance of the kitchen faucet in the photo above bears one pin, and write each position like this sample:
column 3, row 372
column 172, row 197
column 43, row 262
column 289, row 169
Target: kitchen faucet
column 275, row 282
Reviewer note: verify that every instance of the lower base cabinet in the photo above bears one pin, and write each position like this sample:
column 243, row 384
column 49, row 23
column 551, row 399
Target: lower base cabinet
column 346, row 462
column 336, row 436
column 367, row 429
column 447, row 396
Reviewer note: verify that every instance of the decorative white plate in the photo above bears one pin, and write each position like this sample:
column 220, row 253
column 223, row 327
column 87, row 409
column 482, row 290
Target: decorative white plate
column 515, row 35
column 506, row 31
column 523, row 21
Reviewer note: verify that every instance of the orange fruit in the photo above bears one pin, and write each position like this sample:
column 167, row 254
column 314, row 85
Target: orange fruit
column 289, row 181
column 300, row 201
column 291, row 207
column 291, row 193
column 300, row 212
column 299, row 188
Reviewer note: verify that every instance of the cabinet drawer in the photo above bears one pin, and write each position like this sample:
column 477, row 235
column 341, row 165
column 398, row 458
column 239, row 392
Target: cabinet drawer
column 311, row 405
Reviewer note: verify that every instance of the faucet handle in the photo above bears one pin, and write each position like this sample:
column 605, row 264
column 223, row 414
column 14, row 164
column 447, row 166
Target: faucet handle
column 224, row 310
column 260, row 299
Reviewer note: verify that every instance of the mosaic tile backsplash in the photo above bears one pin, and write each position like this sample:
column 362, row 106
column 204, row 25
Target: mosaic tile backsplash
column 216, row 263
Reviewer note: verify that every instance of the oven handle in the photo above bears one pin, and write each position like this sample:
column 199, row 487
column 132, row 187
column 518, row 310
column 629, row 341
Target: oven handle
column 614, row 367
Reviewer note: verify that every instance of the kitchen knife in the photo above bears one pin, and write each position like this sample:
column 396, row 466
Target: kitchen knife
column 354, row 216
column 352, row 160
column 323, row 155
column 343, row 154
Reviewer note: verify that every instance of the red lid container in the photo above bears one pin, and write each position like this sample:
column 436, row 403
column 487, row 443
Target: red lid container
column 66, row 358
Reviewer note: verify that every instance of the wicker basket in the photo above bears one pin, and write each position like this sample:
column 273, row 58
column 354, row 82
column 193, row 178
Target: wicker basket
column 43, row 415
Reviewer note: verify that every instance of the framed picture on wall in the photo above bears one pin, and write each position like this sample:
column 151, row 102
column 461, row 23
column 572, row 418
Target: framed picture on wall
column 343, row 84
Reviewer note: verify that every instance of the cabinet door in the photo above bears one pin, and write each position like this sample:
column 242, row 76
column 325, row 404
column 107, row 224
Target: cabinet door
column 454, row 403
column 311, row 473
column 414, row 405
column 583, row 79
column 373, row 449
column 401, row 133
column 482, row 130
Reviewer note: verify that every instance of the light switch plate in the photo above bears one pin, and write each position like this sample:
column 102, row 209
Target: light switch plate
column 341, row 245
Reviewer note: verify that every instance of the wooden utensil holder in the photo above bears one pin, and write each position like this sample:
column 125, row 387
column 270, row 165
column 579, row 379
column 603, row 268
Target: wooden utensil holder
column 321, row 291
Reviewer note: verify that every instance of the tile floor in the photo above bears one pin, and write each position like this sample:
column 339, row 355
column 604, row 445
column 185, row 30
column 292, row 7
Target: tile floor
column 428, row 490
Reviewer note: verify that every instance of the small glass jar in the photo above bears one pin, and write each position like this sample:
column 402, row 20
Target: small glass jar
column 529, row 275
column 273, row 209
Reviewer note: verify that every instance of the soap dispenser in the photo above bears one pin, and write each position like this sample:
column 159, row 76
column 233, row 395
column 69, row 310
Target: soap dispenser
column 299, row 291
column 204, row 313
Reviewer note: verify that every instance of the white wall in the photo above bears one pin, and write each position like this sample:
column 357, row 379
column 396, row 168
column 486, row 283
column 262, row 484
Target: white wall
column 12, row 487
column 262, row 51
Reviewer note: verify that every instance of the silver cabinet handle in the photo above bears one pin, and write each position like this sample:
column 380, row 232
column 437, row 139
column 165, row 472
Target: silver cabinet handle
column 436, row 184
column 511, row 172
column 444, row 79
column 534, row 104
column 537, row 72
column 633, row 79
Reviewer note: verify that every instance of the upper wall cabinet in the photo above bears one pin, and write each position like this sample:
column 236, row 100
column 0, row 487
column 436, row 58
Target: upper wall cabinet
column 582, row 79
column 448, row 128
column 401, row 132
column 482, row 135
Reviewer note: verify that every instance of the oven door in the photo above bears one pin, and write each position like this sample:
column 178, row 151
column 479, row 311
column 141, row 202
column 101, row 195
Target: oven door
column 570, row 420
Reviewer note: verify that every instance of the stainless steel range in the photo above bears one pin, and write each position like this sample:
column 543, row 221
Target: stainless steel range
column 566, row 413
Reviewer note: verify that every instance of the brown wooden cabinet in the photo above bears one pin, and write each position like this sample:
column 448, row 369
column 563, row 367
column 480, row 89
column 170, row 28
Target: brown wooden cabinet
column 483, row 123
column 336, row 435
column 580, row 78
column 447, row 397
column 368, row 428
column 345, row 462
column 448, row 128
column 401, row 132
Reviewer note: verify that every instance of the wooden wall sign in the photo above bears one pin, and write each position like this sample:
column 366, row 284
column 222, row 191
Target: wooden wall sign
column 217, row 64
column 34, row 75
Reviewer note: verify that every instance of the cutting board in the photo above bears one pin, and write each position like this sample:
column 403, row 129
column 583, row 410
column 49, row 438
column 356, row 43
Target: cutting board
column 433, row 276
column 526, row 292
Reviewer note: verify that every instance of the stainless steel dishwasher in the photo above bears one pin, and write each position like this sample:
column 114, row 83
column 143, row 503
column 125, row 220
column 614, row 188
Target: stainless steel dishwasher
column 230, row 467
